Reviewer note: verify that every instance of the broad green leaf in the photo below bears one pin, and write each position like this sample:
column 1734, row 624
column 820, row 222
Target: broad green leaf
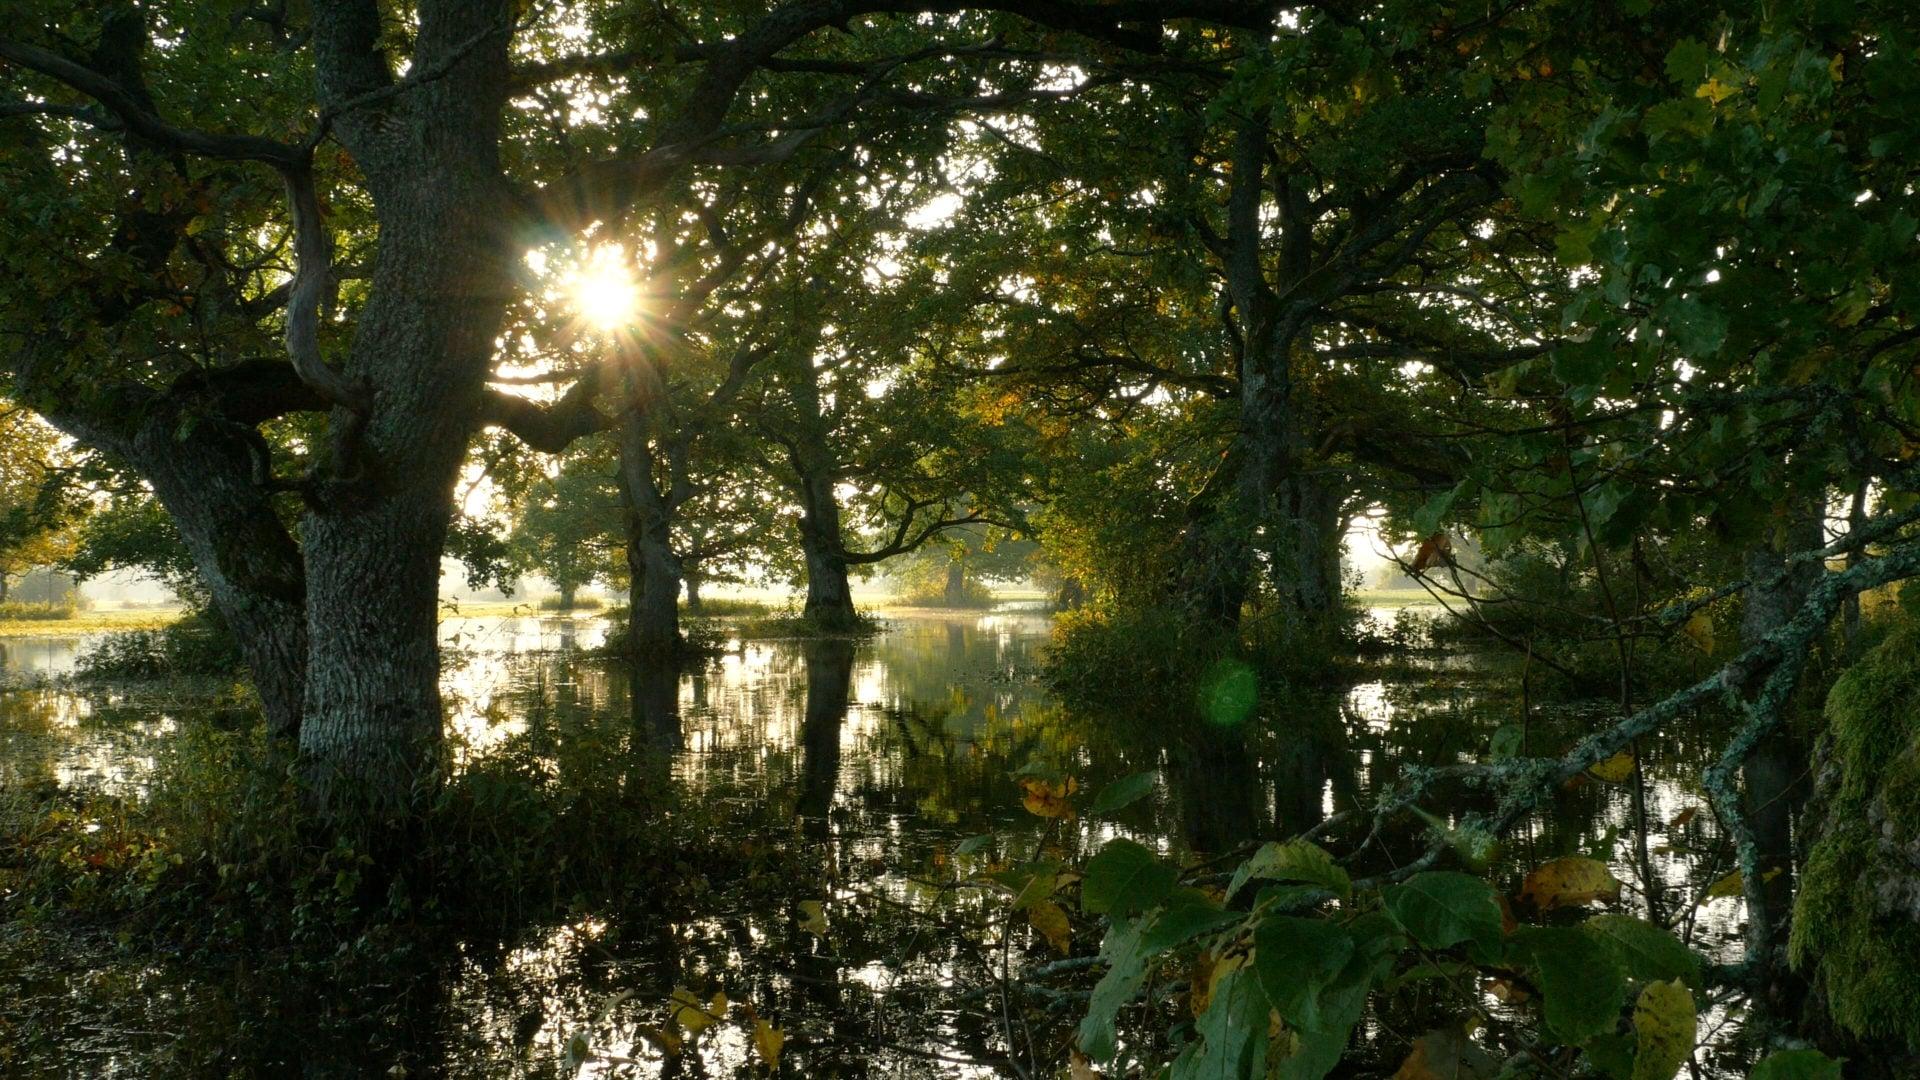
column 1126, row 971
column 1180, row 923
column 1796, row 1065
column 1664, row 1027
column 1295, row 959
column 1442, row 908
column 1295, row 860
column 1125, row 878
column 1647, row 953
column 1581, row 986
column 1233, row 1033
column 1123, row 792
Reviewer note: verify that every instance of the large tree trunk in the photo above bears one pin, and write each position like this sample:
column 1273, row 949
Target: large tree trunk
column 252, row 568
column 5, row 587
column 1304, row 549
column 653, row 567
column 829, row 592
column 955, row 593
column 1774, row 788
column 692, row 579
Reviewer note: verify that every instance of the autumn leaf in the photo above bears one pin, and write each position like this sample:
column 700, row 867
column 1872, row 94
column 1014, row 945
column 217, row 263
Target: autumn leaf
column 767, row 1041
column 1080, row 1067
column 1715, row 91
column 1615, row 769
column 813, row 917
column 1699, row 629
column 1051, row 920
column 692, row 1015
column 1570, row 882
column 1664, row 1028
column 1048, row 799
column 1681, row 819
column 1434, row 550
column 1446, row 1054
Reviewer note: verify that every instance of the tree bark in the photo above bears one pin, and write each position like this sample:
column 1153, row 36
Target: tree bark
column 956, row 589
column 1773, row 791
column 653, row 590
column 829, row 591
column 693, row 578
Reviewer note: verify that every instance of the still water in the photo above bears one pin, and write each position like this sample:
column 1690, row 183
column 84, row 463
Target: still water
column 843, row 783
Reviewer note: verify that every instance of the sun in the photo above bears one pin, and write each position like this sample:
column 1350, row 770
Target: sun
column 604, row 292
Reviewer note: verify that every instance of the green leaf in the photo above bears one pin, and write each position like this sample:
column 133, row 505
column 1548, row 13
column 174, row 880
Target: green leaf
column 1427, row 519
column 1647, row 953
column 1295, row 860
column 1508, row 741
column 1233, row 1033
column 1295, row 959
column 1123, row 793
column 1687, row 62
column 1182, row 922
column 1581, row 986
column 1126, row 971
column 1796, row 1065
column 1442, row 908
column 1125, row 879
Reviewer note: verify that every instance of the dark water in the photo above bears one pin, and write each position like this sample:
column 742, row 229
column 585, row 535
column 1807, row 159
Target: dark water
column 845, row 780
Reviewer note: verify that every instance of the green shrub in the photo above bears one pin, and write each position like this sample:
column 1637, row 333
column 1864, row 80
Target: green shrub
column 198, row 645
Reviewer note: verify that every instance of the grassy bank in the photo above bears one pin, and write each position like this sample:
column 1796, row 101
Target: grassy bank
column 88, row 622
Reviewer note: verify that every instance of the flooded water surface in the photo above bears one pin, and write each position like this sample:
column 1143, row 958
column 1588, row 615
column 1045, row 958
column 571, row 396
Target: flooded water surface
column 854, row 795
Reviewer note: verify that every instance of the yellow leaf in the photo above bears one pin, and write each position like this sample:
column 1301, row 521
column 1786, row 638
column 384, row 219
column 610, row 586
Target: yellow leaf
column 1837, row 67
column 1080, row 1067
column 1048, row 799
column 1664, row 1028
column 1715, row 91
column 1570, row 882
column 1208, row 971
column 813, row 917
column 1615, row 769
column 1699, row 630
column 669, row 1043
column 1048, row 918
column 767, row 1041
column 694, row 1016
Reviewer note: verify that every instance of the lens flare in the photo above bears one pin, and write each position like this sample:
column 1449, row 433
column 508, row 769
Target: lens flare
column 605, row 293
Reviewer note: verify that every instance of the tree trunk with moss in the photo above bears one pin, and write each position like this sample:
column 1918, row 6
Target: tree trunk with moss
column 1856, row 925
